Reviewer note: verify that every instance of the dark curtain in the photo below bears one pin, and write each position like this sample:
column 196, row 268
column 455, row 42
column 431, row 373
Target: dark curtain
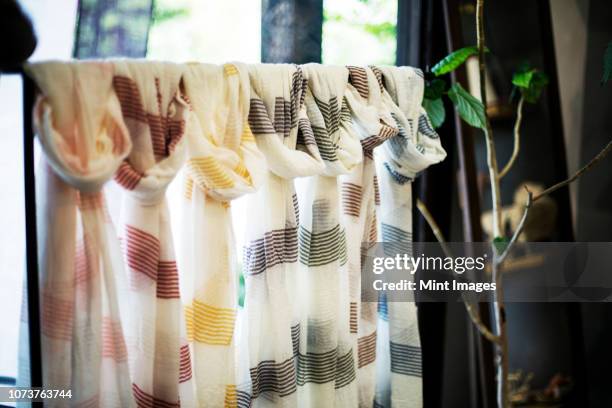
column 291, row 31
column 112, row 28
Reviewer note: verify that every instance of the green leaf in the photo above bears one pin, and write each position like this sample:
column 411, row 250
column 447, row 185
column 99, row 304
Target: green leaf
column 501, row 243
column 454, row 60
column 434, row 88
column 470, row 109
column 530, row 82
column 522, row 79
column 435, row 111
column 607, row 64
column 537, row 84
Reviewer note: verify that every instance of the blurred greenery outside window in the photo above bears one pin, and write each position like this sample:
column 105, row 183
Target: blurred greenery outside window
column 359, row 32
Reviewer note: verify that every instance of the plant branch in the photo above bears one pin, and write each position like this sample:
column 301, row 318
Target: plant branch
column 603, row 153
column 469, row 307
column 519, row 228
column 517, row 139
column 488, row 132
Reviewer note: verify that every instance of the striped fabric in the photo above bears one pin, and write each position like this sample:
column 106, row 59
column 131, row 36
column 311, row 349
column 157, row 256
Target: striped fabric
column 326, row 360
column 155, row 115
column 78, row 123
column 270, row 331
column 359, row 215
column 398, row 161
column 325, row 156
column 223, row 163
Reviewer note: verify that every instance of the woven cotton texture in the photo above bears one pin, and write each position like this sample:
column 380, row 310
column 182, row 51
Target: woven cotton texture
column 272, row 328
column 78, row 123
column 360, row 200
column 398, row 161
column 156, row 116
column 326, row 353
column 324, row 158
column 223, row 164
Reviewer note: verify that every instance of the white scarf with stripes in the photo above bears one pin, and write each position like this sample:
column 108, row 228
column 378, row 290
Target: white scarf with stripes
column 326, row 357
column 156, row 116
column 271, row 329
column 79, row 125
column 304, row 337
column 398, row 161
column 223, row 164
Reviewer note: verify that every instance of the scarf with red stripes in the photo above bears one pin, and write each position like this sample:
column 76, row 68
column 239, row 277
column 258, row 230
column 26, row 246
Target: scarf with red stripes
column 156, row 115
column 78, row 122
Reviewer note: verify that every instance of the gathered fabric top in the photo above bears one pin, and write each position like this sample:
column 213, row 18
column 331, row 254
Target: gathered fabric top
column 306, row 120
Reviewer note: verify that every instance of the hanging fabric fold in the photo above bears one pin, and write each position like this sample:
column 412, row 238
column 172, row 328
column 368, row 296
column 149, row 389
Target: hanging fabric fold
column 156, row 116
column 325, row 157
column 78, row 122
column 326, row 360
column 223, row 164
column 398, row 161
column 360, row 198
column 270, row 331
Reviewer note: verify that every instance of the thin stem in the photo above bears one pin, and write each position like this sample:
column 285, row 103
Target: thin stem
column 488, row 132
column 519, row 228
column 499, row 311
column 517, row 139
column 434, row 226
column 603, row 153
column 469, row 307
column 501, row 358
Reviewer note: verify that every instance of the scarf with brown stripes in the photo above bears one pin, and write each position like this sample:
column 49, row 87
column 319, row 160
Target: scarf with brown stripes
column 156, row 115
column 271, row 329
column 223, row 164
column 78, row 122
column 326, row 361
column 398, row 161
column 360, row 198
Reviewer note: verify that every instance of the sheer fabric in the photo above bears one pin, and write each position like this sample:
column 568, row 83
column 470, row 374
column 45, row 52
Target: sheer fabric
column 156, row 115
column 355, row 138
column 398, row 161
column 78, row 122
column 326, row 352
column 360, row 200
column 272, row 326
column 223, row 164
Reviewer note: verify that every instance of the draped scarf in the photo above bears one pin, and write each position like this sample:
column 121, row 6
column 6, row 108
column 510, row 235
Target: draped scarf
column 223, row 164
column 271, row 327
column 360, row 197
column 326, row 356
column 398, row 162
column 78, row 122
column 156, row 116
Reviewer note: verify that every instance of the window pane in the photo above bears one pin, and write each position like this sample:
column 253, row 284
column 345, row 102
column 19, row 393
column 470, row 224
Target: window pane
column 359, row 32
column 54, row 27
column 207, row 31
column 12, row 233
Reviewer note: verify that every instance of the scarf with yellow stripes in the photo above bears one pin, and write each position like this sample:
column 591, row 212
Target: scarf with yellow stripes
column 223, row 164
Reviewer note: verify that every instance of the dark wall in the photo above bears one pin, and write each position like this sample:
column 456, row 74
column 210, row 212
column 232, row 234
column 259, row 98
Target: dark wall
column 594, row 212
